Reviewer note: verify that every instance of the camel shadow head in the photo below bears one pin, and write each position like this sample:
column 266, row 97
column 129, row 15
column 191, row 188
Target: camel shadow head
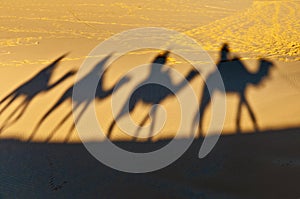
column 49, row 69
column 265, row 69
column 124, row 81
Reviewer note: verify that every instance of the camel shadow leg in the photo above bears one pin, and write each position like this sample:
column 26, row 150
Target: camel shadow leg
column 140, row 126
column 61, row 123
column 57, row 126
column 24, row 108
column 9, row 121
column 45, row 116
column 9, row 103
column 152, row 123
column 254, row 121
column 111, row 127
column 239, row 113
column 123, row 112
column 75, row 122
column 206, row 98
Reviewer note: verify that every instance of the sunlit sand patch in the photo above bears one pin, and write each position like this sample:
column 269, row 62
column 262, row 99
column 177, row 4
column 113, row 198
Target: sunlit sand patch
column 33, row 35
column 267, row 29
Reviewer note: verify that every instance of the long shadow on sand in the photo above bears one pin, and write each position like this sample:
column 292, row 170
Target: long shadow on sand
column 236, row 79
column 253, row 165
column 153, row 94
column 38, row 84
column 84, row 100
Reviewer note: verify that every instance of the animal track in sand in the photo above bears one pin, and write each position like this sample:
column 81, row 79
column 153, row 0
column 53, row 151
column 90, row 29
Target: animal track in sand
column 54, row 186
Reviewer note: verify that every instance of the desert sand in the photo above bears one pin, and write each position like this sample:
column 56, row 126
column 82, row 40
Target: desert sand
column 246, row 164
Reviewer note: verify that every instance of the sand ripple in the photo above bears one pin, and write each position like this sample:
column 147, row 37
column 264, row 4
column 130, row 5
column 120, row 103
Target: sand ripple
column 269, row 29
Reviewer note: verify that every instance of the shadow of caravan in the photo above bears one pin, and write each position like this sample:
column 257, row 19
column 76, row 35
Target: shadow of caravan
column 84, row 100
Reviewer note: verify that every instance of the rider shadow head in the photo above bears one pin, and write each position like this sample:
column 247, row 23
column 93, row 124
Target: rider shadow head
column 161, row 58
column 236, row 79
column 225, row 53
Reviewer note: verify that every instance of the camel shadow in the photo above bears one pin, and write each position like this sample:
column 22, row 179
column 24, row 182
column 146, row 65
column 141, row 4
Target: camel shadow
column 83, row 100
column 29, row 90
column 152, row 93
column 236, row 79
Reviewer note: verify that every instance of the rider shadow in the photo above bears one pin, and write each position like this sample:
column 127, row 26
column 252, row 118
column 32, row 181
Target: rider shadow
column 82, row 100
column 29, row 90
column 236, row 79
column 152, row 94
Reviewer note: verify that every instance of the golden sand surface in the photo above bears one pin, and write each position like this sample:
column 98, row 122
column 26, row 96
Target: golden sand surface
column 34, row 33
column 55, row 164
